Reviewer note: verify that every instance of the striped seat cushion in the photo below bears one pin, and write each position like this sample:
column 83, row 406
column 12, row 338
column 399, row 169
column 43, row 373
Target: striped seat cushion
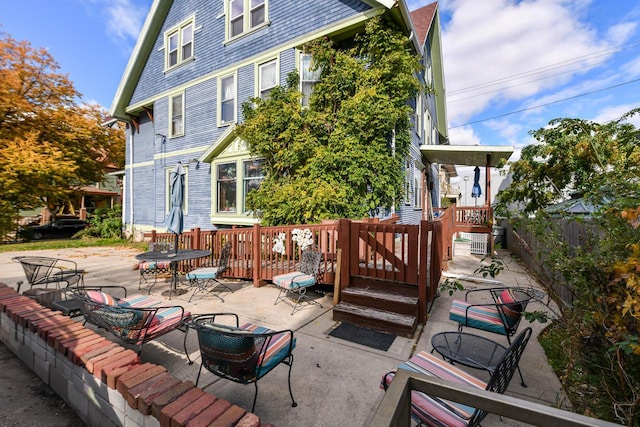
column 139, row 301
column 101, row 298
column 205, row 273
column 432, row 411
column 153, row 265
column 166, row 319
column 294, row 280
column 277, row 350
column 485, row 317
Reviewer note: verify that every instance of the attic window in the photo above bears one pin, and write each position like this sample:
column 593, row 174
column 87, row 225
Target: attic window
column 179, row 44
column 244, row 16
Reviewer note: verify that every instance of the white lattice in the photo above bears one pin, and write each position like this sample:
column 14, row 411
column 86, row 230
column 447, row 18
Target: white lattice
column 479, row 242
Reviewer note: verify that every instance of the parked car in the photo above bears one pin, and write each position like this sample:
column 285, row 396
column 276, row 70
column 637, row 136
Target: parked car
column 60, row 228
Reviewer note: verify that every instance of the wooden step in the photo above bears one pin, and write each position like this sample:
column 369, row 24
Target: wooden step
column 380, row 300
column 372, row 318
column 384, row 285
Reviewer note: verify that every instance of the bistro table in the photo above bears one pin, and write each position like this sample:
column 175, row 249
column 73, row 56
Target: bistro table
column 173, row 257
column 469, row 350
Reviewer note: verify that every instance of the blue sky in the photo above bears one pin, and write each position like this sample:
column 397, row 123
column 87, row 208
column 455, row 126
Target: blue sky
column 539, row 57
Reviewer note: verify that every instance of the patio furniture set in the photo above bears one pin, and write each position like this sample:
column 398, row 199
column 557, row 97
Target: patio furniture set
column 241, row 353
column 498, row 310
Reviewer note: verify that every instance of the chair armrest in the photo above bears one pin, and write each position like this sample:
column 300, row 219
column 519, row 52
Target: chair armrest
column 195, row 320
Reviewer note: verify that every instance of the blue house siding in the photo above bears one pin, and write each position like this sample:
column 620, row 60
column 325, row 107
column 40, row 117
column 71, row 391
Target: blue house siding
column 287, row 23
column 198, row 80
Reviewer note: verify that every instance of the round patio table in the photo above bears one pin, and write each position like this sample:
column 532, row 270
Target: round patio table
column 468, row 349
column 173, row 257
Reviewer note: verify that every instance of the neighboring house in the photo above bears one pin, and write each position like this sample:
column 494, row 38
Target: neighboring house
column 197, row 61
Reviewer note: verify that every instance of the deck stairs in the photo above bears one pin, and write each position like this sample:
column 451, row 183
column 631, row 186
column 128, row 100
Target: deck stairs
column 379, row 304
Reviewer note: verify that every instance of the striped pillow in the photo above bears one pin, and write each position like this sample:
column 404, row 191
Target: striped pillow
column 511, row 308
column 101, row 298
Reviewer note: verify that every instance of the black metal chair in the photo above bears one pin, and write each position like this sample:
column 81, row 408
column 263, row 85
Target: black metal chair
column 207, row 279
column 243, row 354
column 434, row 411
column 153, row 268
column 45, row 271
column 293, row 285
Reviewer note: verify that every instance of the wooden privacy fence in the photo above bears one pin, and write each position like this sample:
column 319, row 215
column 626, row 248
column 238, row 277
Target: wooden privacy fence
column 411, row 254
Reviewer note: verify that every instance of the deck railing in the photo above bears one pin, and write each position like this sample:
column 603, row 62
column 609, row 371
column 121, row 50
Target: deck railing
column 395, row 408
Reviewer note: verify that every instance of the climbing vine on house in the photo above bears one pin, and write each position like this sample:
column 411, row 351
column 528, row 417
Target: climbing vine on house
column 342, row 156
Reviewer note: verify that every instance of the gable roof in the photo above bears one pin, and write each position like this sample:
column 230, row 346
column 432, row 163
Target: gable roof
column 422, row 19
column 150, row 31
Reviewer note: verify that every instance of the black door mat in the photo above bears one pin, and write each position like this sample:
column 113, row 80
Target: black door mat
column 363, row 336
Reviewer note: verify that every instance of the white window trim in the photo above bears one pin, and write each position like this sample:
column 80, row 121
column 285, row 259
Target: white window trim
column 178, row 30
column 301, row 81
column 167, row 193
column 235, row 99
column 243, row 195
column 169, row 131
column 408, row 183
column 246, row 20
column 258, row 74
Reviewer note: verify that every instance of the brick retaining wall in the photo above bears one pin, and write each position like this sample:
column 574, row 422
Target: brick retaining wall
column 104, row 383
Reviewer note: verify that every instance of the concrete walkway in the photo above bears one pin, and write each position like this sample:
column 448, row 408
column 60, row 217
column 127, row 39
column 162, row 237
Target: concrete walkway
column 335, row 382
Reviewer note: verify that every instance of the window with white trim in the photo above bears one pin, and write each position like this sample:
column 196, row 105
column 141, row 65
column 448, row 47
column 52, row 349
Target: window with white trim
column 408, row 181
column 179, row 44
column 243, row 16
column 417, row 198
column 267, row 78
column 308, row 77
column 253, row 175
column 418, row 120
column 226, row 177
column 227, row 100
column 427, row 128
column 167, row 193
column 176, row 113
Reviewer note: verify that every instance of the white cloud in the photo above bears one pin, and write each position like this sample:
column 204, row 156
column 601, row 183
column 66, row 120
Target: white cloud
column 464, row 135
column 123, row 18
column 513, row 46
column 610, row 113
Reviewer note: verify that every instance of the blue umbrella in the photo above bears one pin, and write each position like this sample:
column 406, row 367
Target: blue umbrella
column 175, row 221
column 476, row 191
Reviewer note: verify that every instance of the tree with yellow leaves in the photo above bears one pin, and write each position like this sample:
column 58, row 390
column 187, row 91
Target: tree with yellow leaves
column 50, row 144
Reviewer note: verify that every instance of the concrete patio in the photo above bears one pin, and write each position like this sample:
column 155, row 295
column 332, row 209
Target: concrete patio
column 335, row 382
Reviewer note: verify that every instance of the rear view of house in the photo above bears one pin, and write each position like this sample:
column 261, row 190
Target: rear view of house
column 196, row 62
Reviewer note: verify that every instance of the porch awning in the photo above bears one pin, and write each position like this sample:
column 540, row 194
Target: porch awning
column 467, row 155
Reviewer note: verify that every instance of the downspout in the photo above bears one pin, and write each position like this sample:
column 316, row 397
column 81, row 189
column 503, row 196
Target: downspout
column 131, row 216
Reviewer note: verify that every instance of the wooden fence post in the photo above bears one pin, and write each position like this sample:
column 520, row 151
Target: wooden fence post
column 424, row 271
column 344, row 238
column 257, row 254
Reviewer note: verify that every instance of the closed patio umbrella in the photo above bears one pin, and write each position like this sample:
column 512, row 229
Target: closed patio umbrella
column 175, row 220
column 476, row 191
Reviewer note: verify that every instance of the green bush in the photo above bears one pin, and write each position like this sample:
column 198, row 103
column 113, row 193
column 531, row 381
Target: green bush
column 105, row 223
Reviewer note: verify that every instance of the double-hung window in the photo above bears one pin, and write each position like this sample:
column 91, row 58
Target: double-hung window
column 268, row 77
column 308, row 77
column 226, row 188
column 227, row 97
column 179, row 44
column 244, row 16
column 252, row 178
column 176, row 112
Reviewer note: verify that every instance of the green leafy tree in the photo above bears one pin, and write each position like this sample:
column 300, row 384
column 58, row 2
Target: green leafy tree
column 600, row 161
column 342, row 156
column 595, row 345
column 49, row 144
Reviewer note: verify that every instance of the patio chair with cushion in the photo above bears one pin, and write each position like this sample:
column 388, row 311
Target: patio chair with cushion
column 434, row 411
column 500, row 312
column 293, row 285
column 134, row 320
column 243, row 354
column 206, row 279
column 153, row 268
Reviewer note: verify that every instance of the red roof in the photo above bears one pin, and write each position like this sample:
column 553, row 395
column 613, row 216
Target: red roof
column 422, row 19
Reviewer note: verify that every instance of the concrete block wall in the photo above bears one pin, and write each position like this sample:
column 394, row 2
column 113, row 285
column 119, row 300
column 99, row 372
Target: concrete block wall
column 105, row 383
